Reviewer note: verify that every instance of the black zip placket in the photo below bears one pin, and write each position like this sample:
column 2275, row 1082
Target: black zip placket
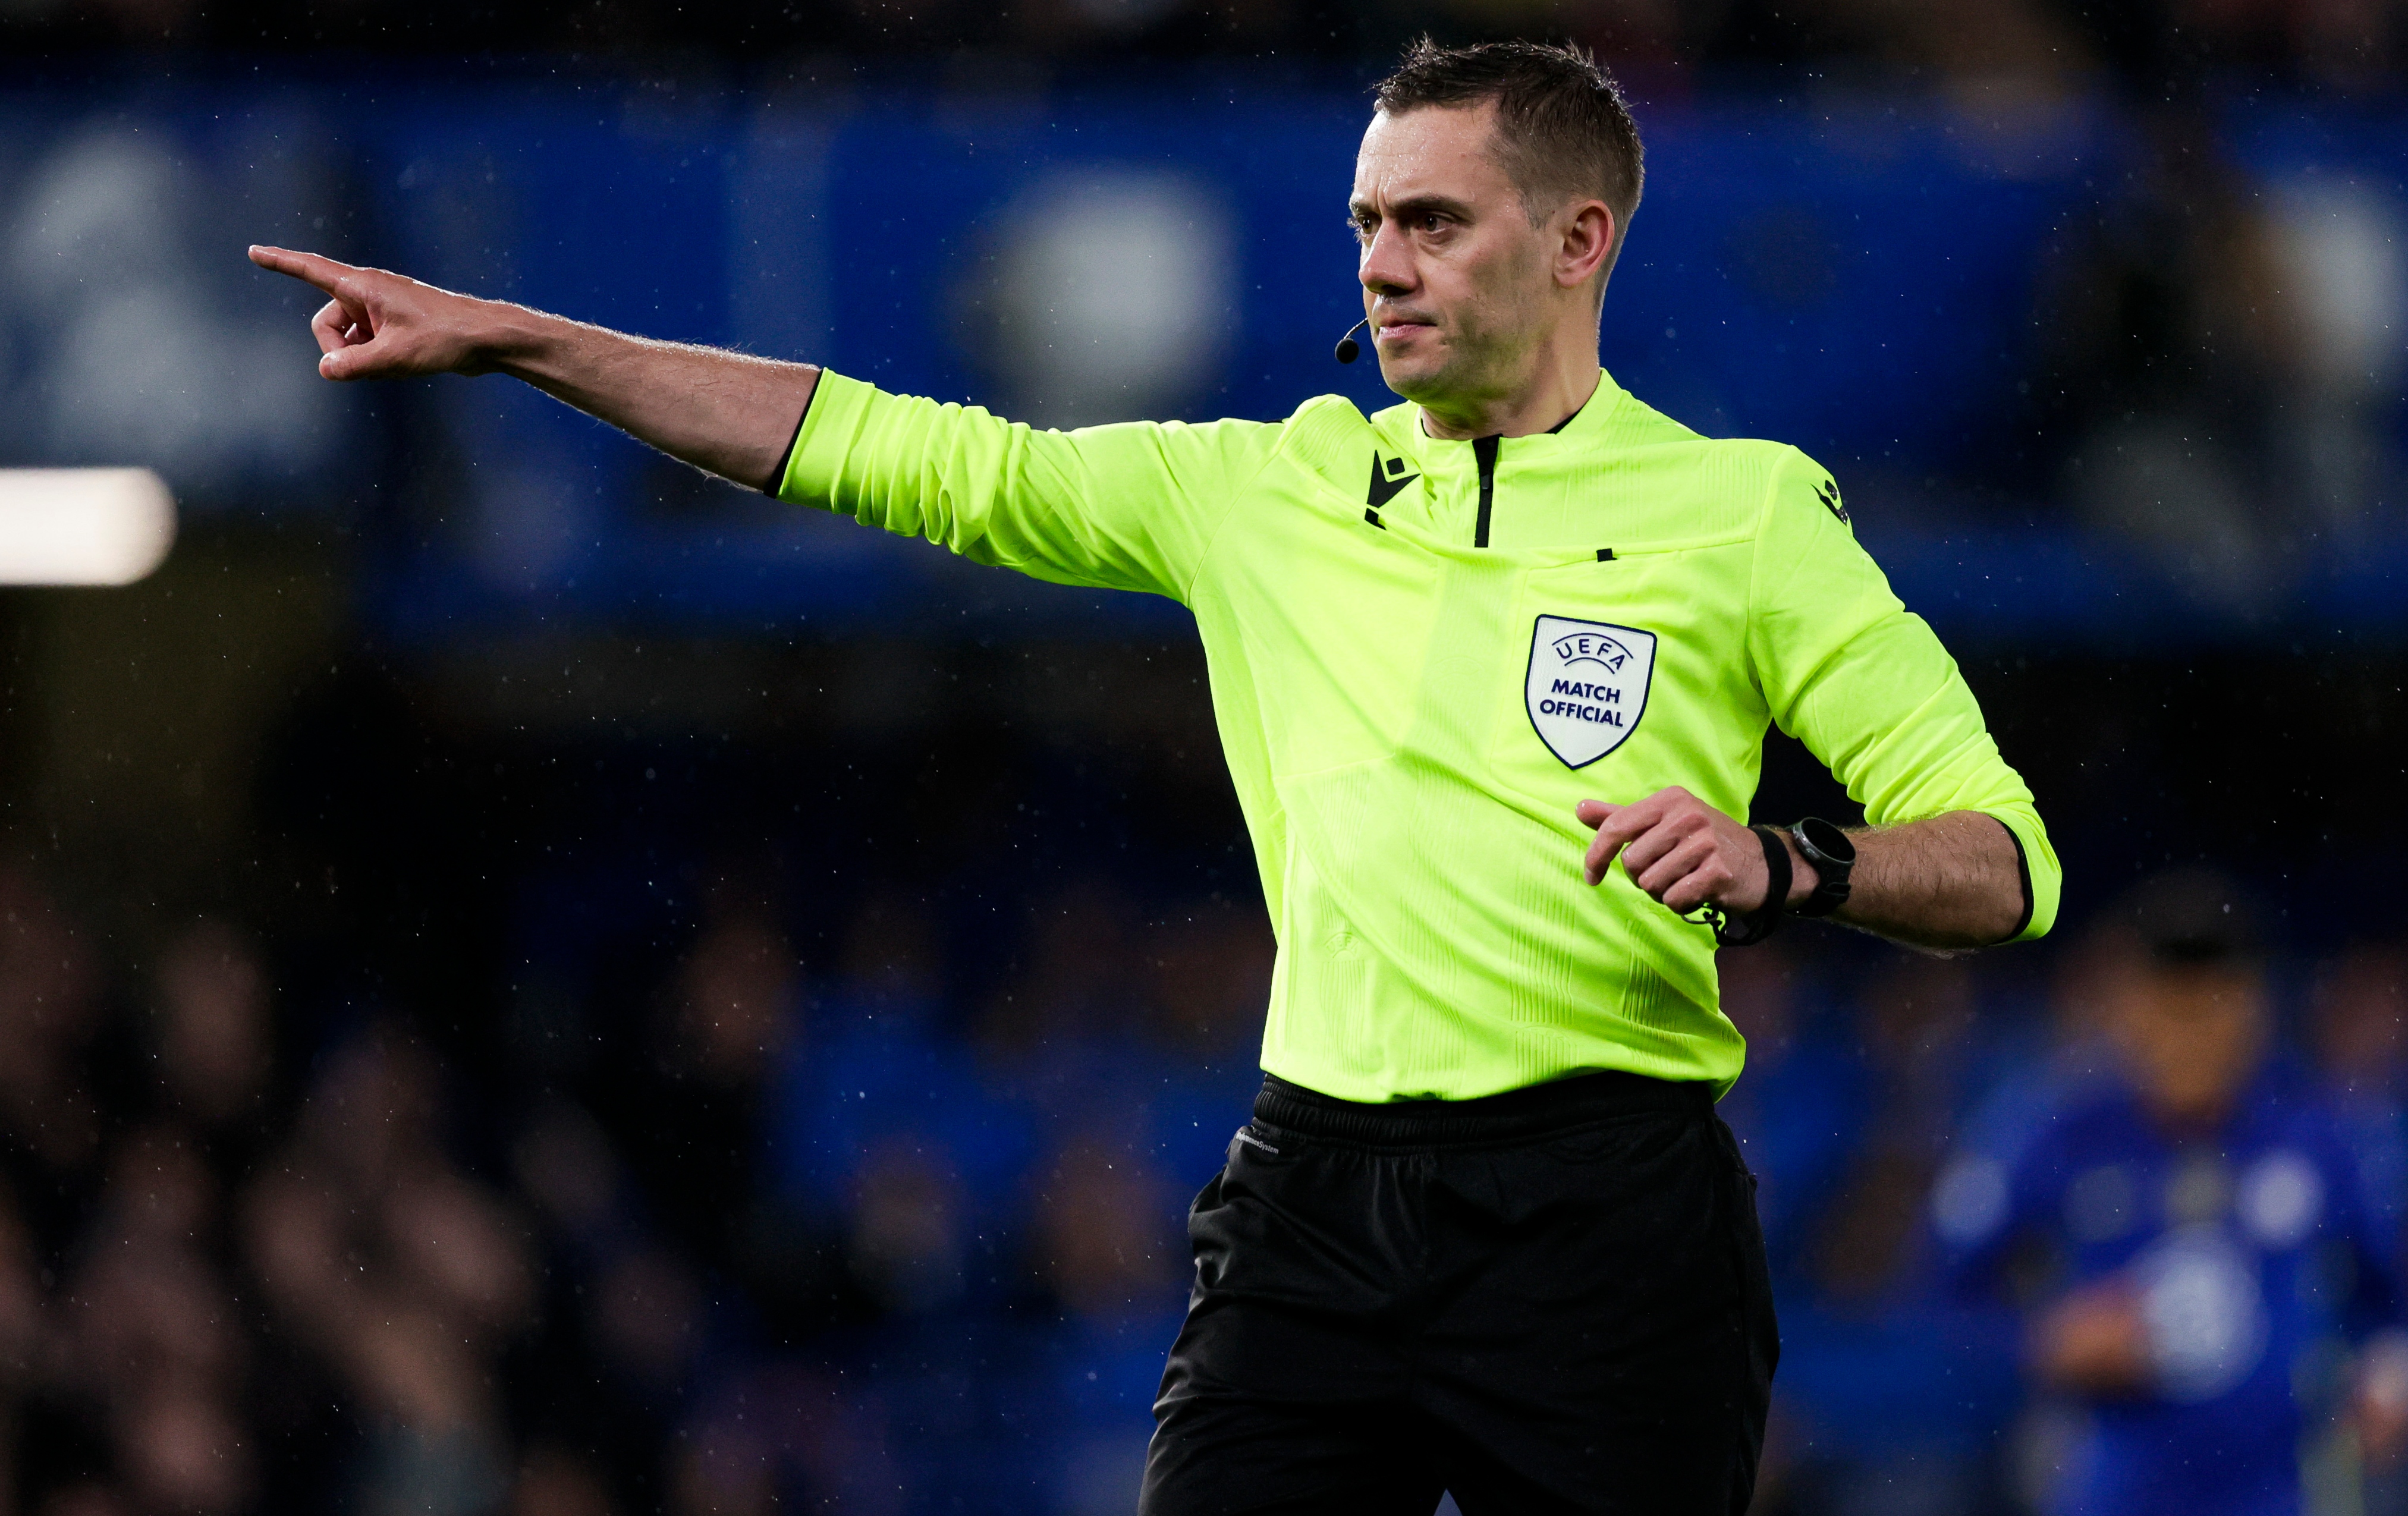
column 1483, row 451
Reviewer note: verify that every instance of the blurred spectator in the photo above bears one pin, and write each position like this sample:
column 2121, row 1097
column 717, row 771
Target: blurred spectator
column 626, row 1327
column 2051, row 1061
column 1075, row 994
column 554, row 1481
column 85, row 1498
column 785, row 1438
column 2219, row 362
column 215, row 1038
column 888, row 1132
column 1796, row 1112
column 701, row 1087
column 153, row 1336
column 1101, row 1244
column 1111, row 1258
column 402, row 1275
column 2170, row 340
column 909, row 1237
column 735, row 1001
column 2187, row 1242
column 1893, row 1393
column 2358, row 1033
column 24, row 1347
column 52, row 1015
column 1918, row 1034
column 2357, row 1020
column 1209, row 979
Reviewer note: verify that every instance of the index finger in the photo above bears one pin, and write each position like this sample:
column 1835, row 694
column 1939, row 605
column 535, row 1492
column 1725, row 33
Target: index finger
column 1627, row 822
column 326, row 273
column 1617, row 826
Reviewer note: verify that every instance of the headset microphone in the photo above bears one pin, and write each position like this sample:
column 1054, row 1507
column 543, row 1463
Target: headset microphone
column 1347, row 349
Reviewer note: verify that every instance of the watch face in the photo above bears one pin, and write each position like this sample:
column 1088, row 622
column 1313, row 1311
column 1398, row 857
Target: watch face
column 1826, row 840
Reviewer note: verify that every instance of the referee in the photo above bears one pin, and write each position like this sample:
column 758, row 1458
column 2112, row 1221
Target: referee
column 1485, row 1231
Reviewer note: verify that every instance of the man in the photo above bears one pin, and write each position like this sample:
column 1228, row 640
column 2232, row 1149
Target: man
column 1485, row 1232
column 2201, row 1229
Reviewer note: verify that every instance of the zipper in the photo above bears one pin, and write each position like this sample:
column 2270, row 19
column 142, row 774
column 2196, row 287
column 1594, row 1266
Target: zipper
column 1485, row 451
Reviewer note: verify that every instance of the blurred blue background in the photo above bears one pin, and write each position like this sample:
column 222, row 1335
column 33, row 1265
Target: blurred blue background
column 532, row 980
column 1882, row 277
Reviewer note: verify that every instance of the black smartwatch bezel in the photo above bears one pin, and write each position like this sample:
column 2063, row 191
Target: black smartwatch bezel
column 1834, row 858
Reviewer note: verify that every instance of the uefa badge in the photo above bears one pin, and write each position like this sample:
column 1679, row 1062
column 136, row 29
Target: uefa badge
column 1588, row 683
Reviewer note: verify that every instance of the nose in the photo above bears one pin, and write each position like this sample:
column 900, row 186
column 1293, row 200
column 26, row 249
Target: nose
column 1387, row 266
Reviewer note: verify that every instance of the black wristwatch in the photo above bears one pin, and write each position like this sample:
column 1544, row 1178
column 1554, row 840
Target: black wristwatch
column 1834, row 858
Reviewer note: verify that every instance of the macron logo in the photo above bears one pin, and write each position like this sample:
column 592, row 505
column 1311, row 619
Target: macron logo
column 1388, row 480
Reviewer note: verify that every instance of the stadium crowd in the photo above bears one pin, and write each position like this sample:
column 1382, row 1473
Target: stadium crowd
column 721, row 1220
column 261, row 1260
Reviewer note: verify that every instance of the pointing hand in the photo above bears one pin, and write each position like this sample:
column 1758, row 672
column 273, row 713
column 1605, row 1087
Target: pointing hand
column 380, row 326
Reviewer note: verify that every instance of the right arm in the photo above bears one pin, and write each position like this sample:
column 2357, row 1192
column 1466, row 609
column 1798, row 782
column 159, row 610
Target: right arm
column 1130, row 506
column 729, row 413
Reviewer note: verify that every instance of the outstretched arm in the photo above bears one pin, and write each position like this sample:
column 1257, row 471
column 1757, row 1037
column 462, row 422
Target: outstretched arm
column 1949, row 882
column 727, row 412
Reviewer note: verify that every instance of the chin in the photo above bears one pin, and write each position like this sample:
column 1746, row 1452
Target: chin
column 1417, row 382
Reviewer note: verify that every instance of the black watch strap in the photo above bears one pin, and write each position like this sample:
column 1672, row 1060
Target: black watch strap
column 1834, row 858
column 1748, row 930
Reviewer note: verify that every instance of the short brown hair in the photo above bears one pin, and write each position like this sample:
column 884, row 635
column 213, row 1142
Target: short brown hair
column 1563, row 128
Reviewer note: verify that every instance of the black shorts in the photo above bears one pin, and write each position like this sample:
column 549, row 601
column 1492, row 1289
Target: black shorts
column 1549, row 1300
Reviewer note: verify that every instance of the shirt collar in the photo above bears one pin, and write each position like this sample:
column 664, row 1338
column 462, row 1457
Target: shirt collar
column 1590, row 419
column 1585, row 423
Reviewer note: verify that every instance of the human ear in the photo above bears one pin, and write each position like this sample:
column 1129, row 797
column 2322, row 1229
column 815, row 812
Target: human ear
column 1587, row 228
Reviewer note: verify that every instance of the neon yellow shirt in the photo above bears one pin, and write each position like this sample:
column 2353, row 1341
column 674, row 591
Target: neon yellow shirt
column 1423, row 653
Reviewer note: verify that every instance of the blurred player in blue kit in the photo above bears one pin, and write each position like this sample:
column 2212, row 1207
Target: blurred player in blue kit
column 2191, row 1240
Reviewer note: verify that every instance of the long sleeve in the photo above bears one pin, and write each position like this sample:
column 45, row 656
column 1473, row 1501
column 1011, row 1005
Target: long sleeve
column 1126, row 506
column 1867, row 686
